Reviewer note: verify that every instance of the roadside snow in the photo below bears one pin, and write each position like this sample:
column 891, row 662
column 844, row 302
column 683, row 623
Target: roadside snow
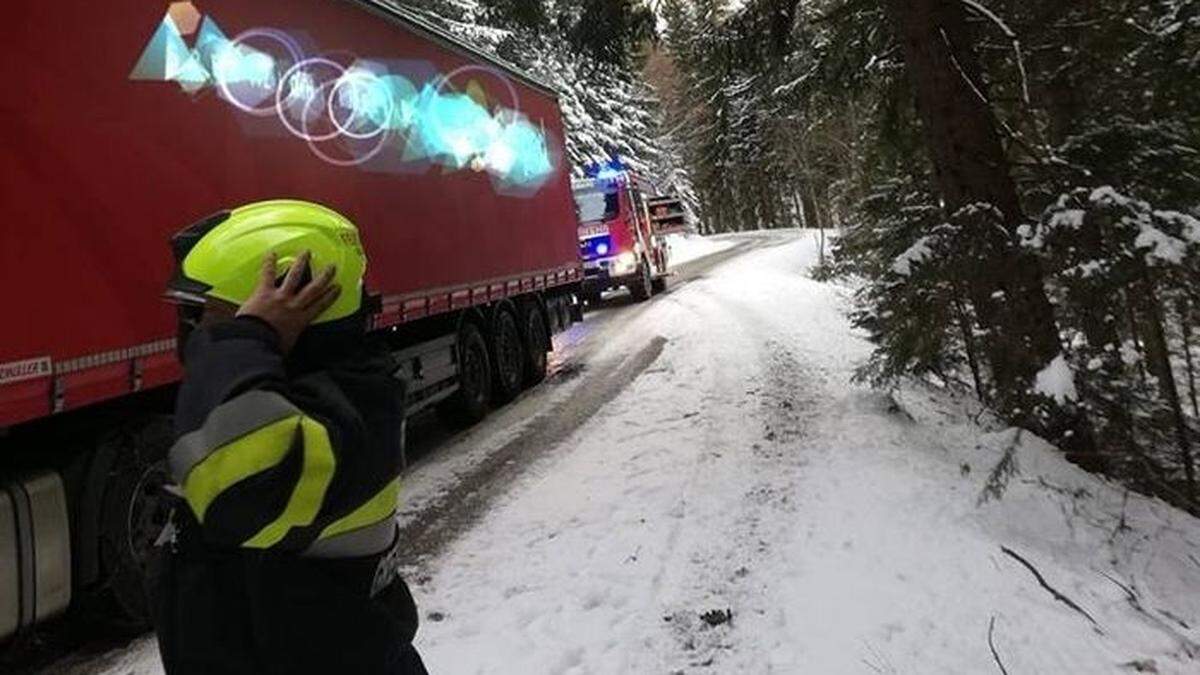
column 688, row 247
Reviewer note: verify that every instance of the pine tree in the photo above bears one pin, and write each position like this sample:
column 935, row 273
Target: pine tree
column 607, row 109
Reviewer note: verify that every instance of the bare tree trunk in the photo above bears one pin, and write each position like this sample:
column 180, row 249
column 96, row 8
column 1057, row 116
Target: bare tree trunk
column 966, row 326
column 798, row 205
column 708, row 213
column 1185, row 328
column 1135, row 336
column 811, row 217
column 820, row 208
column 1159, row 355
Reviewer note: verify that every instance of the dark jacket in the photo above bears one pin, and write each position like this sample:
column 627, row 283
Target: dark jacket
column 289, row 472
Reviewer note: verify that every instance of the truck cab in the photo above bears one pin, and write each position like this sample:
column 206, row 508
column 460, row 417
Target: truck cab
column 622, row 233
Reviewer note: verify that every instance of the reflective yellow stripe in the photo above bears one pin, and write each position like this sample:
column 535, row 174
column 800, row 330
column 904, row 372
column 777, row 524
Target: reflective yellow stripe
column 251, row 454
column 309, row 494
column 381, row 506
column 230, row 421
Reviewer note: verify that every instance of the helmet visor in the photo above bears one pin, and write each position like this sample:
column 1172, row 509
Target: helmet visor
column 182, row 290
column 177, row 296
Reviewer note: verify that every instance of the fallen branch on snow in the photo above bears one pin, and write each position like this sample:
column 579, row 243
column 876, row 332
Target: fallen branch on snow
column 1192, row 649
column 992, row 645
column 1049, row 589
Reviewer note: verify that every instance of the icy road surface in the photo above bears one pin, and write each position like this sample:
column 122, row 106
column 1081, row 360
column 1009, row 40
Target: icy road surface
column 701, row 489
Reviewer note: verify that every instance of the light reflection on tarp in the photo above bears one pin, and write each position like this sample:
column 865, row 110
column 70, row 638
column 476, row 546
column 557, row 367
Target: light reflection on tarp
column 390, row 116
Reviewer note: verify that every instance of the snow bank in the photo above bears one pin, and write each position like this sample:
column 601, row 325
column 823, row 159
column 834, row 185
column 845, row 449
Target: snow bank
column 688, row 247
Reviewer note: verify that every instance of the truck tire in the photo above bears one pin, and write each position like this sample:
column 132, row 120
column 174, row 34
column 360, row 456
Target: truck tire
column 537, row 345
column 469, row 404
column 508, row 356
column 591, row 298
column 659, row 285
column 134, row 509
column 642, row 287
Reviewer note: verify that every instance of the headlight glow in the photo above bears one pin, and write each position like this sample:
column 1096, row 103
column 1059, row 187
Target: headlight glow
column 625, row 263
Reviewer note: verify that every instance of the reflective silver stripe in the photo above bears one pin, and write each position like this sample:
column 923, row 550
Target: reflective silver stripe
column 227, row 423
column 359, row 543
column 115, row 356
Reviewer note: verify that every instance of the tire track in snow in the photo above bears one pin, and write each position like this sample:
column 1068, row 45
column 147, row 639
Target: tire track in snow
column 437, row 524
column 719, row 543
column 428, row 532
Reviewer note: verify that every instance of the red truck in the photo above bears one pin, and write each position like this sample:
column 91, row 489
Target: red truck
column 129, row 120
column 623, row 225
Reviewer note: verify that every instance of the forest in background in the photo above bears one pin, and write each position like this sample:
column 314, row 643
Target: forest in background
column 1016, row 184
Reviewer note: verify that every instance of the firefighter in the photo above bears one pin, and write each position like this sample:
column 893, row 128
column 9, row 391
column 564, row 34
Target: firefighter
column 287, row 460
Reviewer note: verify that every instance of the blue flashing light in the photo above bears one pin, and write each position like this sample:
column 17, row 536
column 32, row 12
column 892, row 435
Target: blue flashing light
column 596, row 247
column 610, row 170
column 608, row 174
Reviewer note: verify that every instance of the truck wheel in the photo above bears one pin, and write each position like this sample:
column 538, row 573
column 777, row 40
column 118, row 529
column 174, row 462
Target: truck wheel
column 659, row 285
column 642, row 288
column 469, row 404
column 537, row 341
column 508, row 355
column 134, row 510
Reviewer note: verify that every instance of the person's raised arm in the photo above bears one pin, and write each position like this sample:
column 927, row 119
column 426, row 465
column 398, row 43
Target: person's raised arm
column 252, row 463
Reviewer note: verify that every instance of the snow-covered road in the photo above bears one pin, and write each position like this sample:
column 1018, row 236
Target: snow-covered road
column 734, row 504
column 742, row 471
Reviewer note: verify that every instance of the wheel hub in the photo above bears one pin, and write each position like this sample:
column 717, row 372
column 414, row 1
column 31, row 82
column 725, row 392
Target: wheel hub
column 149, row 511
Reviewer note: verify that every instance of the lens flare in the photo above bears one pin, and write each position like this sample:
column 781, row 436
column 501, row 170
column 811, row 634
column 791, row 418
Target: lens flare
column 360, row 104
column 300, row 100
column 248, row 76
column 349, row 115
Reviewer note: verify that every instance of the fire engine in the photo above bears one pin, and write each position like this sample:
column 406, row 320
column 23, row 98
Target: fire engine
column 623, row 228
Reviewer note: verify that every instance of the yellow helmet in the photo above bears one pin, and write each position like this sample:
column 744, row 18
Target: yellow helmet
column 221, row 257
